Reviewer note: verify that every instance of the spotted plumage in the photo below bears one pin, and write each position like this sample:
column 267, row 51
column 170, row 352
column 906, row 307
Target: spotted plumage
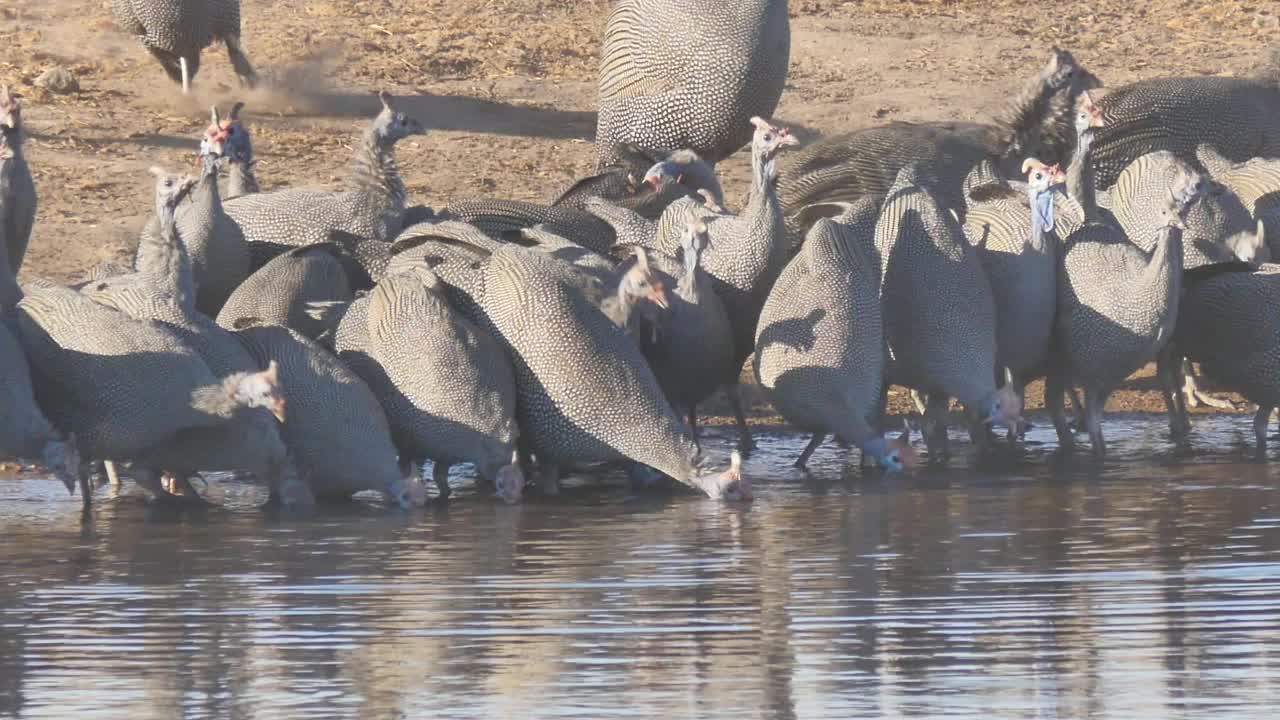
column 278, row 294
column 175, row 32
column 1257, row 183
column 938, row 310
column 689, row 73
column 820, row 346
column 1218, row 226
column 843, row 168
column 371, row 205
column 1240, row 117
column 336, row 431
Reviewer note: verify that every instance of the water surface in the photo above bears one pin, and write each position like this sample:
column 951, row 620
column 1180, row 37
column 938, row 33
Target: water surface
column 1148, row 587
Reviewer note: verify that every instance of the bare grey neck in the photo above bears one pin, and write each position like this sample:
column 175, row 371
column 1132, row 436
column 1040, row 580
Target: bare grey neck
column 1081, row 184
column 240, row 179
column 10, row 293
column 374, row 174
column 163, row 259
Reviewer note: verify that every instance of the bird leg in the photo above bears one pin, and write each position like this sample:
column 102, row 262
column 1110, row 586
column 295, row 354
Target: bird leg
column 693, row 427
column 745, row 442
column 549, row 481
column 1054, row 401
column 440, row 475
column 918, row 398
column 1260, row 422
column 803, row 461
column 1094, row 402
column 244, row 70
column 935, row 426
column 186, row 76
column 1168, row 366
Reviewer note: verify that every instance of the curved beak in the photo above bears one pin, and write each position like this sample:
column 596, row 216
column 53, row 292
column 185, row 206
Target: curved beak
column 658, row 295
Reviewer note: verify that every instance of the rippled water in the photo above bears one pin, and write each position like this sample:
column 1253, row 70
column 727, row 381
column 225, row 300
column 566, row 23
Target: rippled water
column 1145, row 588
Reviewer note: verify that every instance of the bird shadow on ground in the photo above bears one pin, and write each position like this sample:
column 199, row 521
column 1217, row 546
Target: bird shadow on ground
column 452, row 112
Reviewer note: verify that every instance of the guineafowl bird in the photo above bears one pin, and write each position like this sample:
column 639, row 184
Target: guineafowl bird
column 1013, row 225
column 1227, row 322
column 25, row 431
column 1239, row 117
column 820, row 345
column 1117, row 308
column 163, row 292
column 866, row 162
column 1256, row 182
column 281, row 291
column 175, row 32
column 231, row 140
column 1218, row 228
column 371, row 206
column 746, row 253
column 17, row 190
column 447, row 387
column 337, row 432
column 624, row 182
column 696, row 325
column 939, row 312
column 689, row 73
column 213, row 241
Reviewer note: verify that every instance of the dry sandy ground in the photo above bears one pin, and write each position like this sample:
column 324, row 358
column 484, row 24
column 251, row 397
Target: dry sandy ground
column 507, row 89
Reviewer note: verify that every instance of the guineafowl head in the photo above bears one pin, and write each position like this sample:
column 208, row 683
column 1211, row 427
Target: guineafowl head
column 407, row 492
column 62, row 458
column 1041, row 177
column 662, row 175
column 1003, row 407
column 392, row 125
column 1063, row 73
column 769, row 139
column 1088, row 114
column 171, row 188
column 893, row 454
column 695, row 240
column 508, row 481
column 1250, row 245
column 640, row 283
column 226, row 137
column 262, row 389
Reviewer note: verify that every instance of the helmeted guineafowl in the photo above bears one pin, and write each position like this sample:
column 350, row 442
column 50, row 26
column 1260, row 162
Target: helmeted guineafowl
column 1240, row 117
column 866, row 162
column 938, row 310
column 213, row 241
column 279, row 292
column 163, row 292
column 1117, row 307
column 25, row 431
column 1218, row 228
column 17, row 190
column 371, row 205
column 820, row 352
column 689, row 345
column 175, row 32
column 337, row 432
column 1012, row 225
column 1227, row 322
column 689, row 73
column 1257, row 183
column 447, row 387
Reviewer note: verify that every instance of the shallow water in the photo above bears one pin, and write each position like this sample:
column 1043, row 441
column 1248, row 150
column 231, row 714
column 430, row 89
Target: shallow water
column 1148, row 587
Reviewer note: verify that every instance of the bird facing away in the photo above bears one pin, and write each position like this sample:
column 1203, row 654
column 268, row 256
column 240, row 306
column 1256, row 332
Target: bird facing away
column 175, row 32
column 820, row 345
column 689, row 73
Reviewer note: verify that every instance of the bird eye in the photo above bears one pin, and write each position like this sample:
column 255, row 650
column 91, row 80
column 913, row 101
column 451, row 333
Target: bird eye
column 768, row 137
